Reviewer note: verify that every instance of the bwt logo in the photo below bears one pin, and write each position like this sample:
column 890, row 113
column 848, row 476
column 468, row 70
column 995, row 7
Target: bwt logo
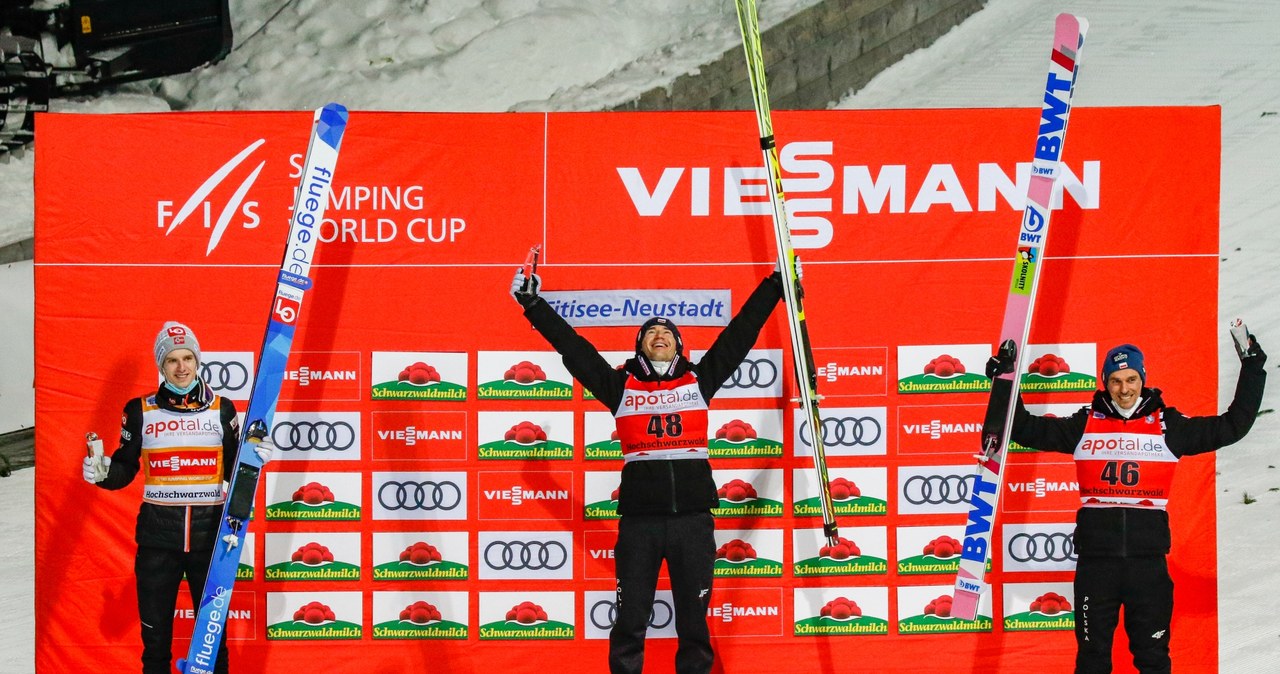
column 726, row 612
column 236, row 207
column 833, row 371
column 517, row 495
column 175, row 464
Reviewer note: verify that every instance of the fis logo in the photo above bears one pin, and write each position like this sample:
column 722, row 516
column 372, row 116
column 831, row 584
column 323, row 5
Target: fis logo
column 235, row 206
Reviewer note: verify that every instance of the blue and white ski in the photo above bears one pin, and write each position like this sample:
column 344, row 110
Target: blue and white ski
column 310, row 201
column 984, row 502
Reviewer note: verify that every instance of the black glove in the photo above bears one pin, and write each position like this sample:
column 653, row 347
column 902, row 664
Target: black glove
column 1002, row 362
column 524, row 288
column 1254, row 356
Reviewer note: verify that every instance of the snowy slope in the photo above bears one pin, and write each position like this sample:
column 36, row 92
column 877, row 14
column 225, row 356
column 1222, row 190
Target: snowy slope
column 1210, row 52
column 415, row 55
column 504, row 54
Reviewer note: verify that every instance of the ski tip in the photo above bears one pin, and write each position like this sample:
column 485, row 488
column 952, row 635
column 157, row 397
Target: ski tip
column 182, row 666
column 331, row 123
column 1073, row 23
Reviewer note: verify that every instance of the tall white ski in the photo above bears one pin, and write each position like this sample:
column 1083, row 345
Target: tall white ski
column 802, row 353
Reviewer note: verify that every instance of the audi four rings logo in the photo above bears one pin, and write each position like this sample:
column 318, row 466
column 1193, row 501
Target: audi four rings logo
column 525, row 555
column 753, row 373
column 423, row 495
column 220, row 376
column 321, row 436
column 1042, row 547
column 937, row 489
column 604, row 614
column 844, row 432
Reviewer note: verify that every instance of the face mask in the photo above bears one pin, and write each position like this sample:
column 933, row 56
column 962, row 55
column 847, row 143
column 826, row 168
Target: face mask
column 185, row 389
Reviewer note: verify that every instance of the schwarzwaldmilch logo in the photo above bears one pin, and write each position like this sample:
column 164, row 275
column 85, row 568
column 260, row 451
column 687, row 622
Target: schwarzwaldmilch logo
column 604, row 449
column 313, row 561
column 1049, row 611
column 313, row 501
column 738, row 558
column 420, row 620
column 738, row 498
column 606, row 509
column 527, row 621
column 1050, row 367
column 420, row 561
column 940, row 555
column 845, row 558
column 524, row 380
column 935, row 617
column 314, row 621
column 738, row 438
column 419, row 376
column 841, row 617
column 846, row 498
column 526, row 440
column 949, row 368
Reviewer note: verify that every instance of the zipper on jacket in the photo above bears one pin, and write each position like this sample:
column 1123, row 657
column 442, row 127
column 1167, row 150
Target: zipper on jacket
column 671, row 470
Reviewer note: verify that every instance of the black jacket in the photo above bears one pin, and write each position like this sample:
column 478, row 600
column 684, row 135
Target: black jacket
column 661, row 487
column 169, row 526
column 1130, row 532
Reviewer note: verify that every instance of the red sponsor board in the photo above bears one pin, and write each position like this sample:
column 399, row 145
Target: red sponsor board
column 746, row 612
column 519, row 495
column 597, row 559
column 242, row 618
column 852, row 371
column 418, row 435
column 1040, row 488
column 940, row 429
column 182, row 463
column 909, row 244
column 322, row 376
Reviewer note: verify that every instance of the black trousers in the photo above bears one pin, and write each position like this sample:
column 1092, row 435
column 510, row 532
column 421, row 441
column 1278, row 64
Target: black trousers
column 159, row 572
column 1140, row 584
column 687, row 542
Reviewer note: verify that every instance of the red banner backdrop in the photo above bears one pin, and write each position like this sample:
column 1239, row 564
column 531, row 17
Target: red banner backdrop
column 444, row 506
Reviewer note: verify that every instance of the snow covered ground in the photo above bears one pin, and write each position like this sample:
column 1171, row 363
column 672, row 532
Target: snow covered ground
column 1208, row 52
column 503, row 54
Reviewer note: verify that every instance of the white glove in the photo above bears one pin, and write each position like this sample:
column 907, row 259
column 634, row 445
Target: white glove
column 95, row 471
column 523, row 288
column 799, row 269
column 265, row 449
column 232, row 541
